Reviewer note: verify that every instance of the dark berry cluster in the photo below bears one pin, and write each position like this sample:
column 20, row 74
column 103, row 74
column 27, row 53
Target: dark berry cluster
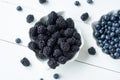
column 107, row 34
column 55, row 39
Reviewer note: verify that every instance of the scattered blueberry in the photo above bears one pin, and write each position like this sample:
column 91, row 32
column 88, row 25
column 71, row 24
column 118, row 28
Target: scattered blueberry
column 30, row 18
column 84, row 16
column 19, row 8
column 18, row 40
column 92, row 51
column 90, row 1
column 56, row 76
column 25, row 62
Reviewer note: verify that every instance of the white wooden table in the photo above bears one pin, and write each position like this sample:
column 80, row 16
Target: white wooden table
column 13, row 24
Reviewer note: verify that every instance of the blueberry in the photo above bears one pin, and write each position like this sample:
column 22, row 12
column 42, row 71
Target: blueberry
column 47, row 51
column 30, row 18
column 116, row 40
column 118, row 50
column 101, row 31
column 56, row 76
column 118, row 12
column 115, row 55
column 52, row 63
column 62, row 59
column 112, row 42
column 96, row 34
column 19, row 8
column 42, row 1
column 97, row 27
column 25, row 62
column 84, row 16
column 109, row 23
column 18, row 40
column 41, row 29
column 77, row 3
column 113, row 29
column 65, row 46
column 106, row 51
column 57, row 53
column 106, row 17
column 92, row 51
column 112, row 34
column 107, row 37
column 103, row 37
column 113, row 18
column 69, row 32
column 89, row 1
column 70, row 23
column 103, row 23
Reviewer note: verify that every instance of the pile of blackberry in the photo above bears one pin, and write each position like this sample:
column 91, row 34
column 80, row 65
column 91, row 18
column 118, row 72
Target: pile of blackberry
column 107, row 34
column 55, row 39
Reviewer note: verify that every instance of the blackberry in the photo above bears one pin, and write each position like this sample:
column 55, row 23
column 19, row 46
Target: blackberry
column 41, row 29
column 69, row 32
column 69, row 54
column 51, row 42
column 56, row 35
column 40, row 55
column 62, row 32
column 84, row 16
column 70, row 23
column 75, row 48
column 71, row 40
column 76, row 35
column 30, row 18
column 77, row 3
column 51, row 28
column 42, row 37
column 61, row 23
column 52, row 63
column 57, row 53
column 62, row 59
column 78, row 42
column 41, row 44
column 89, row 1
column 33, row 33
column 60, row 40
column 56, row 76
column 47, row 51
column 18, row 40
column 52, row 17
column 41, row 79
column 19, row 8
column 39, row 23
column 42, row 1
column 25, row 62
column 33, row 46
column 65, row 46
column 92, row 51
